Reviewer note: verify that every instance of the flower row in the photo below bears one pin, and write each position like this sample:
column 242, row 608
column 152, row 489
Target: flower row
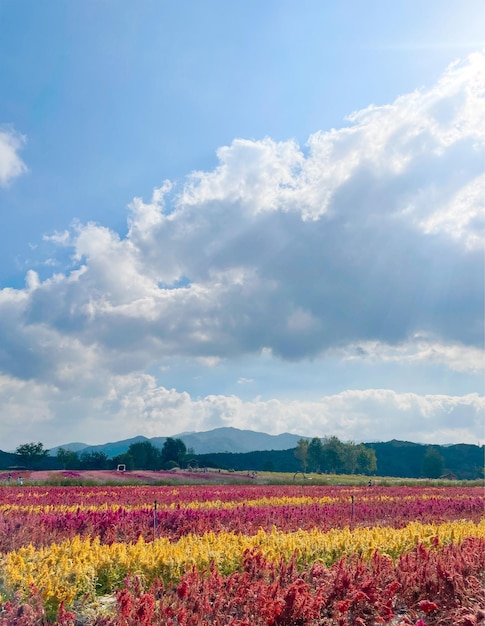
column 23, row 526
column 423, row 501
column 64, row 571
column 424, row 586
column 190, row 496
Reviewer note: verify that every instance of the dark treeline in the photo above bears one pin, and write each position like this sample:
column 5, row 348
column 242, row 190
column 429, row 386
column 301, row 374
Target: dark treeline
column 392, row 458
column 411, row 460
column 328, row 455
column 264, row 461
column 313, row 455
column 143, row 455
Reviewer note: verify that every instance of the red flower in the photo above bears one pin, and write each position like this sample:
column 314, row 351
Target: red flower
column 183, row 589
column 427, row 606
column 343, row 606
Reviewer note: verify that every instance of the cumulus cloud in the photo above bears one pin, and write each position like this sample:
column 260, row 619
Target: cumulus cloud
column 371, row 236
column 127, row 405
column 11, row 165
column 360, row 241
column 457, row 357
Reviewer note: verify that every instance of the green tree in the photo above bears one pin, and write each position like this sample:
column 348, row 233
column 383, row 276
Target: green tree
column 315, row 454
column 366, row 460
column 124, row 459
column 173, row 450
column 349, row 457
column 333, row 454
column 95, row 460
column 31, row 454
column 68, row 459
column 433, row 463
column 301, row 453
column 145, row 456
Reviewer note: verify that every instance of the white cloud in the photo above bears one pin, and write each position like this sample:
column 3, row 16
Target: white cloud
column 27, row 408
column 357, row 243
column 384, row 414
column 129, row 405
column 421, row 349
column 59, row 238
column 11, row 165
column 257, row 175
column 463, row 216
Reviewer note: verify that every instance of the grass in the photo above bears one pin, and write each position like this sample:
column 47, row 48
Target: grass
column 261, row 478
column 359, row 480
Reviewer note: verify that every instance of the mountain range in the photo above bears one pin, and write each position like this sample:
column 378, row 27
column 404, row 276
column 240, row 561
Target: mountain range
column 246, row 449
column 225, row 439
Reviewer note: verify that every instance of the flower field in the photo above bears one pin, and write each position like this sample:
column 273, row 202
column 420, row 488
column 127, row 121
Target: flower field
column 242, row 555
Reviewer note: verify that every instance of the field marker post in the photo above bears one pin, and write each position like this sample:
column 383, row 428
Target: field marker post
column 352, row 514
column 155, row 520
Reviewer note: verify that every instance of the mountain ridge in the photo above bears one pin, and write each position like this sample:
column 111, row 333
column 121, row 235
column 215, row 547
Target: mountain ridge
column 223, row 439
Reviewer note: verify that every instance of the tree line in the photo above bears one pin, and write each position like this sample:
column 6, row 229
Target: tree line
column 332, row 455
column 143, row 456
column 327, row 455
column 392, row 458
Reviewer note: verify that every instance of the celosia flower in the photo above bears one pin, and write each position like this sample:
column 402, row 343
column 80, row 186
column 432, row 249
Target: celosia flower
column 427, row 606
column 183, row 589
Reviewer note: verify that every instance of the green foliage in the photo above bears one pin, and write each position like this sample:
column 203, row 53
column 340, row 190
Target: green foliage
column 93, row 460
column 353, row 458
column 433, row 463
column 405, row 459
column 145, row 456
column 262, row 460
column 68, row 459
column 125, row 459
column 173, row 450
column 31, row 453
column 7, row 459
column 366, row 460
column 333, row 455
column 301, row 453
column 465, row 460
column 400, row 459
column 170, row 465
column 315, row 454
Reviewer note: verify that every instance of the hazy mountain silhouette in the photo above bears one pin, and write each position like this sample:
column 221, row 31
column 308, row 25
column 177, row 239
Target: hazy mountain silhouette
column 225, row 439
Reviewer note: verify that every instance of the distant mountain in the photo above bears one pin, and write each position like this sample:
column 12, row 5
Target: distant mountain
column 228, row 439
column 111, row 449
column 8, row 459
column 225, row 439
column 75, row 446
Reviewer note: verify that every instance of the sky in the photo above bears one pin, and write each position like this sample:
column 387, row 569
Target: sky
column 263, row 214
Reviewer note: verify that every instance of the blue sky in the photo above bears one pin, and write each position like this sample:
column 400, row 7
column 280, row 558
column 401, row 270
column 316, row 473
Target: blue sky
column 265, row 215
